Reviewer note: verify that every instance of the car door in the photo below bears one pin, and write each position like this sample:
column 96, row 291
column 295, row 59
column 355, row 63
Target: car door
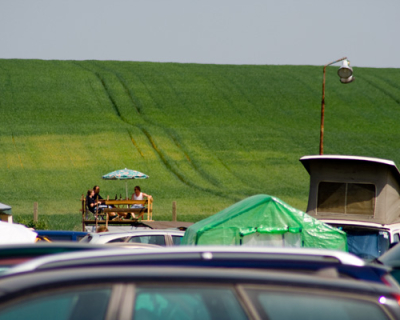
column 81, row 302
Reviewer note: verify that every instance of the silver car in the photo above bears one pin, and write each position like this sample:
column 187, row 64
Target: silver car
column 160, row 237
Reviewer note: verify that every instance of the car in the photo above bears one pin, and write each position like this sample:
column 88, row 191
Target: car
column 367, row 240
column 358, row 195
column 161, row 237
column 391, row 258
column 151, row 292
column 61, row 235
column 302, row 260
column 14, row 254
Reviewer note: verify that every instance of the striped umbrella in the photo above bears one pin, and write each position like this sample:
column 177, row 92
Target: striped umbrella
column 125, row 174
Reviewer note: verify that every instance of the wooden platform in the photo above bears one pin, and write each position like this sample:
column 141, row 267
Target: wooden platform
column 124, row 206
column 131, row 225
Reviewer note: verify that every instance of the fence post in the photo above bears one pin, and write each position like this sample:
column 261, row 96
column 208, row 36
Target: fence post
column 35, row 212
column 174, row 211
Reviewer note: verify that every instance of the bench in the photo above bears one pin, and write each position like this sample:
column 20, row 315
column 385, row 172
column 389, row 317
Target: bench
column 125, row 206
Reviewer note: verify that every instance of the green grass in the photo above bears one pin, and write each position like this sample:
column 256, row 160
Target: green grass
column 207, row 135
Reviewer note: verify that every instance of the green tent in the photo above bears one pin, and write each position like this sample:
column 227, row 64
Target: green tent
column 263, row 220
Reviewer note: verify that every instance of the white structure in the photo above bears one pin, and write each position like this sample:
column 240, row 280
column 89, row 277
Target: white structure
column 5, row 213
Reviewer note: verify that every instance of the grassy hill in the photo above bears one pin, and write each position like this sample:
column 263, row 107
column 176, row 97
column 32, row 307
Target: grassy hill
column 207, row 135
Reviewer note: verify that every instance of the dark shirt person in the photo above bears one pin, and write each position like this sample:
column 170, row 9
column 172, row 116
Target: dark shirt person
column 91, row 203
column 97, row 195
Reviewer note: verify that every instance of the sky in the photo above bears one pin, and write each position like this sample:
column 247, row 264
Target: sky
column 255, row 32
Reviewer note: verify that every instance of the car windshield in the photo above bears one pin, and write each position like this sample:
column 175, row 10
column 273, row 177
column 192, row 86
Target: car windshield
column 366, row 243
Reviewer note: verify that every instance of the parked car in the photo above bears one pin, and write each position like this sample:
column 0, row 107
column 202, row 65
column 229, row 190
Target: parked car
column 367, row 240
column 166, row 293
column 14, row 254
column 391, row 258
column 61, row 235
column 332, row 263
column 161, row 237
column 358, row 195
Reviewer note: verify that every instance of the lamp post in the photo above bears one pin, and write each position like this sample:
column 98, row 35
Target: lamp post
column 346, row 76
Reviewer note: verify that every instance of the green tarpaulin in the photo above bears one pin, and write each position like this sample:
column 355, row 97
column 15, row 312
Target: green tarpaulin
column 263, row 220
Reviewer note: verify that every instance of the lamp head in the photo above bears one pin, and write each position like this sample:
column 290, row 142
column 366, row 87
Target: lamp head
column 347, row 80
column 345, row 72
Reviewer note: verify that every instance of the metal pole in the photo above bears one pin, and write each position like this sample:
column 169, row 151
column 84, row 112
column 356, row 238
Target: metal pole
column 321, row 138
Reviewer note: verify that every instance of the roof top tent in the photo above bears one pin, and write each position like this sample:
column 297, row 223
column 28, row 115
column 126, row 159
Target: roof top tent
column 353, row 188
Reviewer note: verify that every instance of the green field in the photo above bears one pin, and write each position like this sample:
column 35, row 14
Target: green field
column 207, row 135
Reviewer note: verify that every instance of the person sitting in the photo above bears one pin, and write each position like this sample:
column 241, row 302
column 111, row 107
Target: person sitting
column 139, row 195
column 97, row 195
column 91, row 203
column 102, row 229
column 100, row 200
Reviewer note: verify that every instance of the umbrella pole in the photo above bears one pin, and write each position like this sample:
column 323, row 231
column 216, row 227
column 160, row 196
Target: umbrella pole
column 126, row 187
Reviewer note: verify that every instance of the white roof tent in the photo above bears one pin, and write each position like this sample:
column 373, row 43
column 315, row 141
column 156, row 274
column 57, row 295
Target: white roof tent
column 353, row 188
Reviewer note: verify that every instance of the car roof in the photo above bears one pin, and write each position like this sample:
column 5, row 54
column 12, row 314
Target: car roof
column 144, row 231
column 40, row 248
column 13, row 254
column 361, row 223
column 94, row 237
column 201, row 253
column 60, row 232
column 61, row 278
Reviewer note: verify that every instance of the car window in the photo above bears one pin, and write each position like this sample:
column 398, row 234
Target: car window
column 78, row 304
column 86, row 238
column 79, row 238
column 176, row 240
column 299, row 306
column 177, row 303
column 121, row 239
column 152, row 239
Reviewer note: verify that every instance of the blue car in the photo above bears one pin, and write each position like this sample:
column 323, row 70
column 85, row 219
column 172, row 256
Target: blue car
column 57, row 235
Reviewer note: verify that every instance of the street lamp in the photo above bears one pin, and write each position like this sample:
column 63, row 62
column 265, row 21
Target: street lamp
column 346, row 76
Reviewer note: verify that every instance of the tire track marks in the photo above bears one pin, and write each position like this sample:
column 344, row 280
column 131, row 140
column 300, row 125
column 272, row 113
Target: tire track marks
column 180, row 176
column 382, row 89
column 137, row 106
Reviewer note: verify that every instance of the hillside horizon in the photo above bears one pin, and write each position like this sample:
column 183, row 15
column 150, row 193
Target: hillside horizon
column 207, row 135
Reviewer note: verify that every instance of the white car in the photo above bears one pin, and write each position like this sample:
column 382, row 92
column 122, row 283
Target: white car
column 160, row 237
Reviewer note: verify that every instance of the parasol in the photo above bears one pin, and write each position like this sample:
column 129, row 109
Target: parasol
column 125, row 174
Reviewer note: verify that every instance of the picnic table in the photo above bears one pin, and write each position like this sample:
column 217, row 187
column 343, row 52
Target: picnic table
column 141, row 209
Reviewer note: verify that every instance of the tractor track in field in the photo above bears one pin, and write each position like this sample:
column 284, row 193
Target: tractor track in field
column 136, row 105
column 16, row 150
column 383, row 90
column 177, row 174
